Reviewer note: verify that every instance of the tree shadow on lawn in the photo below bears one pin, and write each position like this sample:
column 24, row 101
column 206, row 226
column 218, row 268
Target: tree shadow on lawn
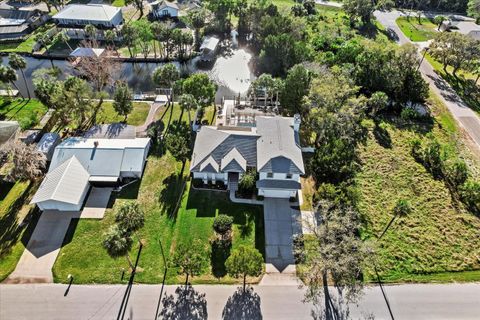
column 420, row 126
column 11, row 230
column 381, row 135
column 185, row 304
column 204, row 202
column 171, row 195
column 243, row 305
column 220, row 253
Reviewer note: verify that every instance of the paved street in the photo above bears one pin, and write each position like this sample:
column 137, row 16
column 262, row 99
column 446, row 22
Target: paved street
column 47, row 301
column 467, row 118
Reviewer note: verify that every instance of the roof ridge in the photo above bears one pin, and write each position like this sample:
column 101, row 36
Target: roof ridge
column 63, row 174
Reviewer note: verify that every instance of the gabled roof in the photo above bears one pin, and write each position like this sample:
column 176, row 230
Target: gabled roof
column 209, row 43
column 66, row 183
column 234, row 161
column 209, row 165
column 94, row 12
column 218, row 143
column 277, row 147
column 164, row 4
column 87, row 52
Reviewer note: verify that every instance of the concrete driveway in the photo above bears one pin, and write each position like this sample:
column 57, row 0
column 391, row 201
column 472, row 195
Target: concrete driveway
column 281, row 223
column 96, row 203
column 35, row 264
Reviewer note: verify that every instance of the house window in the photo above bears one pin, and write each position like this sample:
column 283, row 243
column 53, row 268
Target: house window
column 270, row 175
column 289, row 176
column 165, row 13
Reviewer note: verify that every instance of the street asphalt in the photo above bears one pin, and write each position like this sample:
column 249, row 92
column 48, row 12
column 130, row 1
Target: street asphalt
column 412, row 301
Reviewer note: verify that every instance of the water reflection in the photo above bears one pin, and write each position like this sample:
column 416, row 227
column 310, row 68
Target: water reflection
column 231, row 71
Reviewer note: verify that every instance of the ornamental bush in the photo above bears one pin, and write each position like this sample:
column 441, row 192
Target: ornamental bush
column 222, row 224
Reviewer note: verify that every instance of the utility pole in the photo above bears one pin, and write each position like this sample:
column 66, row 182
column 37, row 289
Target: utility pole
column 164, row 277
column 126, row 296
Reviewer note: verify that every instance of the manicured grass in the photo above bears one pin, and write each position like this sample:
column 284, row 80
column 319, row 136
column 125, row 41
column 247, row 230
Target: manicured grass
column 118, row 3
column 416, row 31
column 439, row 236
column 137, row 117
column 158, row 193
column 28, row 113
column 13, row 234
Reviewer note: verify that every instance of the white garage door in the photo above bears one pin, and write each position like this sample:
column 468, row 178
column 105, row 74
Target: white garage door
column 272, row 193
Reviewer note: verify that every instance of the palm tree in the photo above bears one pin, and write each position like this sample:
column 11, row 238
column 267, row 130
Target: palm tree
column 90, row 31
column 118, row 242
column 62, row 36
column 110, row 36
column 8, row 75
column 188, row 102
column 130, row 217
column 166, row 75
column 402, row 208
column 16, row 62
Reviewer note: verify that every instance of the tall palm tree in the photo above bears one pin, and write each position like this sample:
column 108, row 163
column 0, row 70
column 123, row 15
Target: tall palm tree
column 90, row 31
column 17, row 62
column 118, row 242
column 402, row 208
column 62, row 36
column 188, row 103
column 9, row 76
column 110, row 36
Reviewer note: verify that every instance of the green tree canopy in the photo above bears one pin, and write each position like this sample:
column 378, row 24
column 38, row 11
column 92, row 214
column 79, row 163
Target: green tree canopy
column 122, row 99
column 191, row 258
column 244, row 261
column 201, row 88
column 129, row 216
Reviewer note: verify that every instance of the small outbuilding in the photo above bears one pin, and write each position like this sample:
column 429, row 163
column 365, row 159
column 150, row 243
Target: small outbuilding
column 99, row 15
column 81, row 52
column 8, row 130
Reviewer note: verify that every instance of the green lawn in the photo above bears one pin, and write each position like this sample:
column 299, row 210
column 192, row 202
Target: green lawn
column 118, row 3
column 159, row 193
column 415, row 31
column 137, row 117
column 439, row 240
column 28, row 113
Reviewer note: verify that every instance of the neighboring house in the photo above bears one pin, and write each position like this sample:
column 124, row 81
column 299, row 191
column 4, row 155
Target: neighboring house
column 466, row 26
column 271, row 147
column 78, row 163
column 15, row 24
column 81, row 52
column 164, row 9
column 209, row 48
column 99, row 15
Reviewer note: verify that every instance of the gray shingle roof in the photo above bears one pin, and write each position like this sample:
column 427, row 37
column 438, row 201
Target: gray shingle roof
column 218, row 143
column 277, row 147
column 234, row 161
column 278, row 184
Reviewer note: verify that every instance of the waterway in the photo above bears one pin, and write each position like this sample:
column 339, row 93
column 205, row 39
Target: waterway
column 231, row 71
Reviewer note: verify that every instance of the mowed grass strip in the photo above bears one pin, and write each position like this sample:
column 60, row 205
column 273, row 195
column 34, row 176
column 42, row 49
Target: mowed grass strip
column 439, row 240
column 137, row 117
column 412, row 29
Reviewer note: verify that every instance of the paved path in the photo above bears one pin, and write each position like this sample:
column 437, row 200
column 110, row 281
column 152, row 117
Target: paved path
column 467, row 118
column 48, row 301
column 35, row 264
column 141, row 130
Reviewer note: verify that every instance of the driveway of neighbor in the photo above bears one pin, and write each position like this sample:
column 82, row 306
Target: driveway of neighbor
column 35, row 264
column 281, row 223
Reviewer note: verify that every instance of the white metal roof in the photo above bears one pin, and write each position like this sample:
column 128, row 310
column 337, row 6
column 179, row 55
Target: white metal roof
column 96, row 12
column 66, row 183
column 87, row 52
column 209, row 43
column 103, row 157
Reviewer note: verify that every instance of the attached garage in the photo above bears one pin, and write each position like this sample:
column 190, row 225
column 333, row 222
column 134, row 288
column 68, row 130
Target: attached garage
column 64, row 188
column 271, row 188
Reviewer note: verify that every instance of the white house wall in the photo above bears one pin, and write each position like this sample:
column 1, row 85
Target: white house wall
column 210, row 176
column 277, row 193
column 279, row 176
column 171, row 12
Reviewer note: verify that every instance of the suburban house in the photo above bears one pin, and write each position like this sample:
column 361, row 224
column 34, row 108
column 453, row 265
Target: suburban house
column 164, row 9
column 15, row 24
column 77, row 163
column 99, row 15
column 464, row 25
column 271, row 147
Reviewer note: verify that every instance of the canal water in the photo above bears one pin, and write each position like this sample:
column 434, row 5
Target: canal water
column 231, row 71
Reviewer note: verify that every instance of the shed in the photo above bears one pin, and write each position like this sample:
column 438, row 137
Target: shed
column 47, row 144
column 87, row 52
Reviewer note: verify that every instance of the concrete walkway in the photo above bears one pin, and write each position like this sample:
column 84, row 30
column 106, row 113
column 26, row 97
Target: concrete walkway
column 467, row 118
column 35, row 264
column 96, row 204
column 142, row 130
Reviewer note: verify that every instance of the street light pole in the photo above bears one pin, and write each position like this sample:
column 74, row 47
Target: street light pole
column 164, row 277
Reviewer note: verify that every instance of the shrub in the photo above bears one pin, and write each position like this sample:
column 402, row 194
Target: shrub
column 222, row 224
column 409, row 114
column 432, row 156
column 130, row 217
column 456, row 172
column 247, row 182
column 470, row 193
